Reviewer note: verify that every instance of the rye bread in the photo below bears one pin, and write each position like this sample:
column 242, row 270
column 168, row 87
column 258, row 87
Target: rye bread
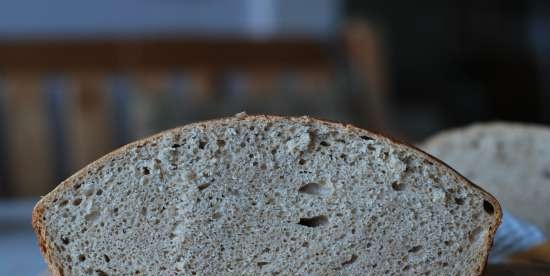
column 266, row 195
column 510, row 160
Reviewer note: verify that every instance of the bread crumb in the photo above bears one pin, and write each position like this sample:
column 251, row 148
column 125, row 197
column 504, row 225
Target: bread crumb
column 299, row 143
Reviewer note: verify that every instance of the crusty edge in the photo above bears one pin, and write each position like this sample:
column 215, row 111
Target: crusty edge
column 39, row 209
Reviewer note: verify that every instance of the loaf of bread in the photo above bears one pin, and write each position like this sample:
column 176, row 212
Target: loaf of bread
column 266, row 195
column 510, row 160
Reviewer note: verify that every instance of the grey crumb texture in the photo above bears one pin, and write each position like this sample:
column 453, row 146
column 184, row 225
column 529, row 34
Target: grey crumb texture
column 258, row 195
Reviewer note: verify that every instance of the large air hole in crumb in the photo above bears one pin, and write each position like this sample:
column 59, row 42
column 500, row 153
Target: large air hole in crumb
column 459, row 200
column 325, row 143
column 397, row 186
column 63, row 203
column 89, row 193
column 475, row 235
column 488, row 207
column 101, row 272
column 145, row 171
column 77, row 201
column 81, row 258
column 260, row 264
column 313, row 221
column 107, row 259
column 415, row 249
column 315, row 189
column 92, row 216
column 202, row 144
column 350, row 261
column 203, row 186
column 221, row 143
column 367, row 138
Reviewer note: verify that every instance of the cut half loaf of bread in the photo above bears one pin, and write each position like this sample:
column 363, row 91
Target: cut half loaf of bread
column 510, row 160
column 266, row 195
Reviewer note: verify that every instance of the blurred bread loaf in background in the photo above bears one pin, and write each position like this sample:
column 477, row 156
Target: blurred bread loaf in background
column 510, row 160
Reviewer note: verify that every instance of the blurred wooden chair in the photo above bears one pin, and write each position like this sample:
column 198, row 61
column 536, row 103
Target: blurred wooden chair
column 65, row 103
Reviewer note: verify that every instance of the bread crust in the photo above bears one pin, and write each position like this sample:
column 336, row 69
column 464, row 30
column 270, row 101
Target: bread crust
column 40, row 207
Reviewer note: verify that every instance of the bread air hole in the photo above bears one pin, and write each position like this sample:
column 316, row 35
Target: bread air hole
column 350, row 261
column 315, row 189
column 145, row 171
column 77, row 201
column 314, row 221
column 398, row 186
column 216, row 215
column 260, row 264
column 89, row 193
column 366, row 138
column 203, row 186
column 488, row 207
column 475, row 235
column 415, row 249
column 202, row 144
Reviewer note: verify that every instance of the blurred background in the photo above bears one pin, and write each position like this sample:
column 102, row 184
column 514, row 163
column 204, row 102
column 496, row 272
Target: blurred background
column 78, row 80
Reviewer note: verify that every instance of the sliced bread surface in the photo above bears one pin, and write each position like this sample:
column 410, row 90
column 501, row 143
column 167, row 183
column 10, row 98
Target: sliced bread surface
column 510, row 160
column 266, row 195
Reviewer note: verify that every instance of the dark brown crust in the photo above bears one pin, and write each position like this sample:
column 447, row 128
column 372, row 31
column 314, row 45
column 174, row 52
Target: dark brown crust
column 40, row 207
